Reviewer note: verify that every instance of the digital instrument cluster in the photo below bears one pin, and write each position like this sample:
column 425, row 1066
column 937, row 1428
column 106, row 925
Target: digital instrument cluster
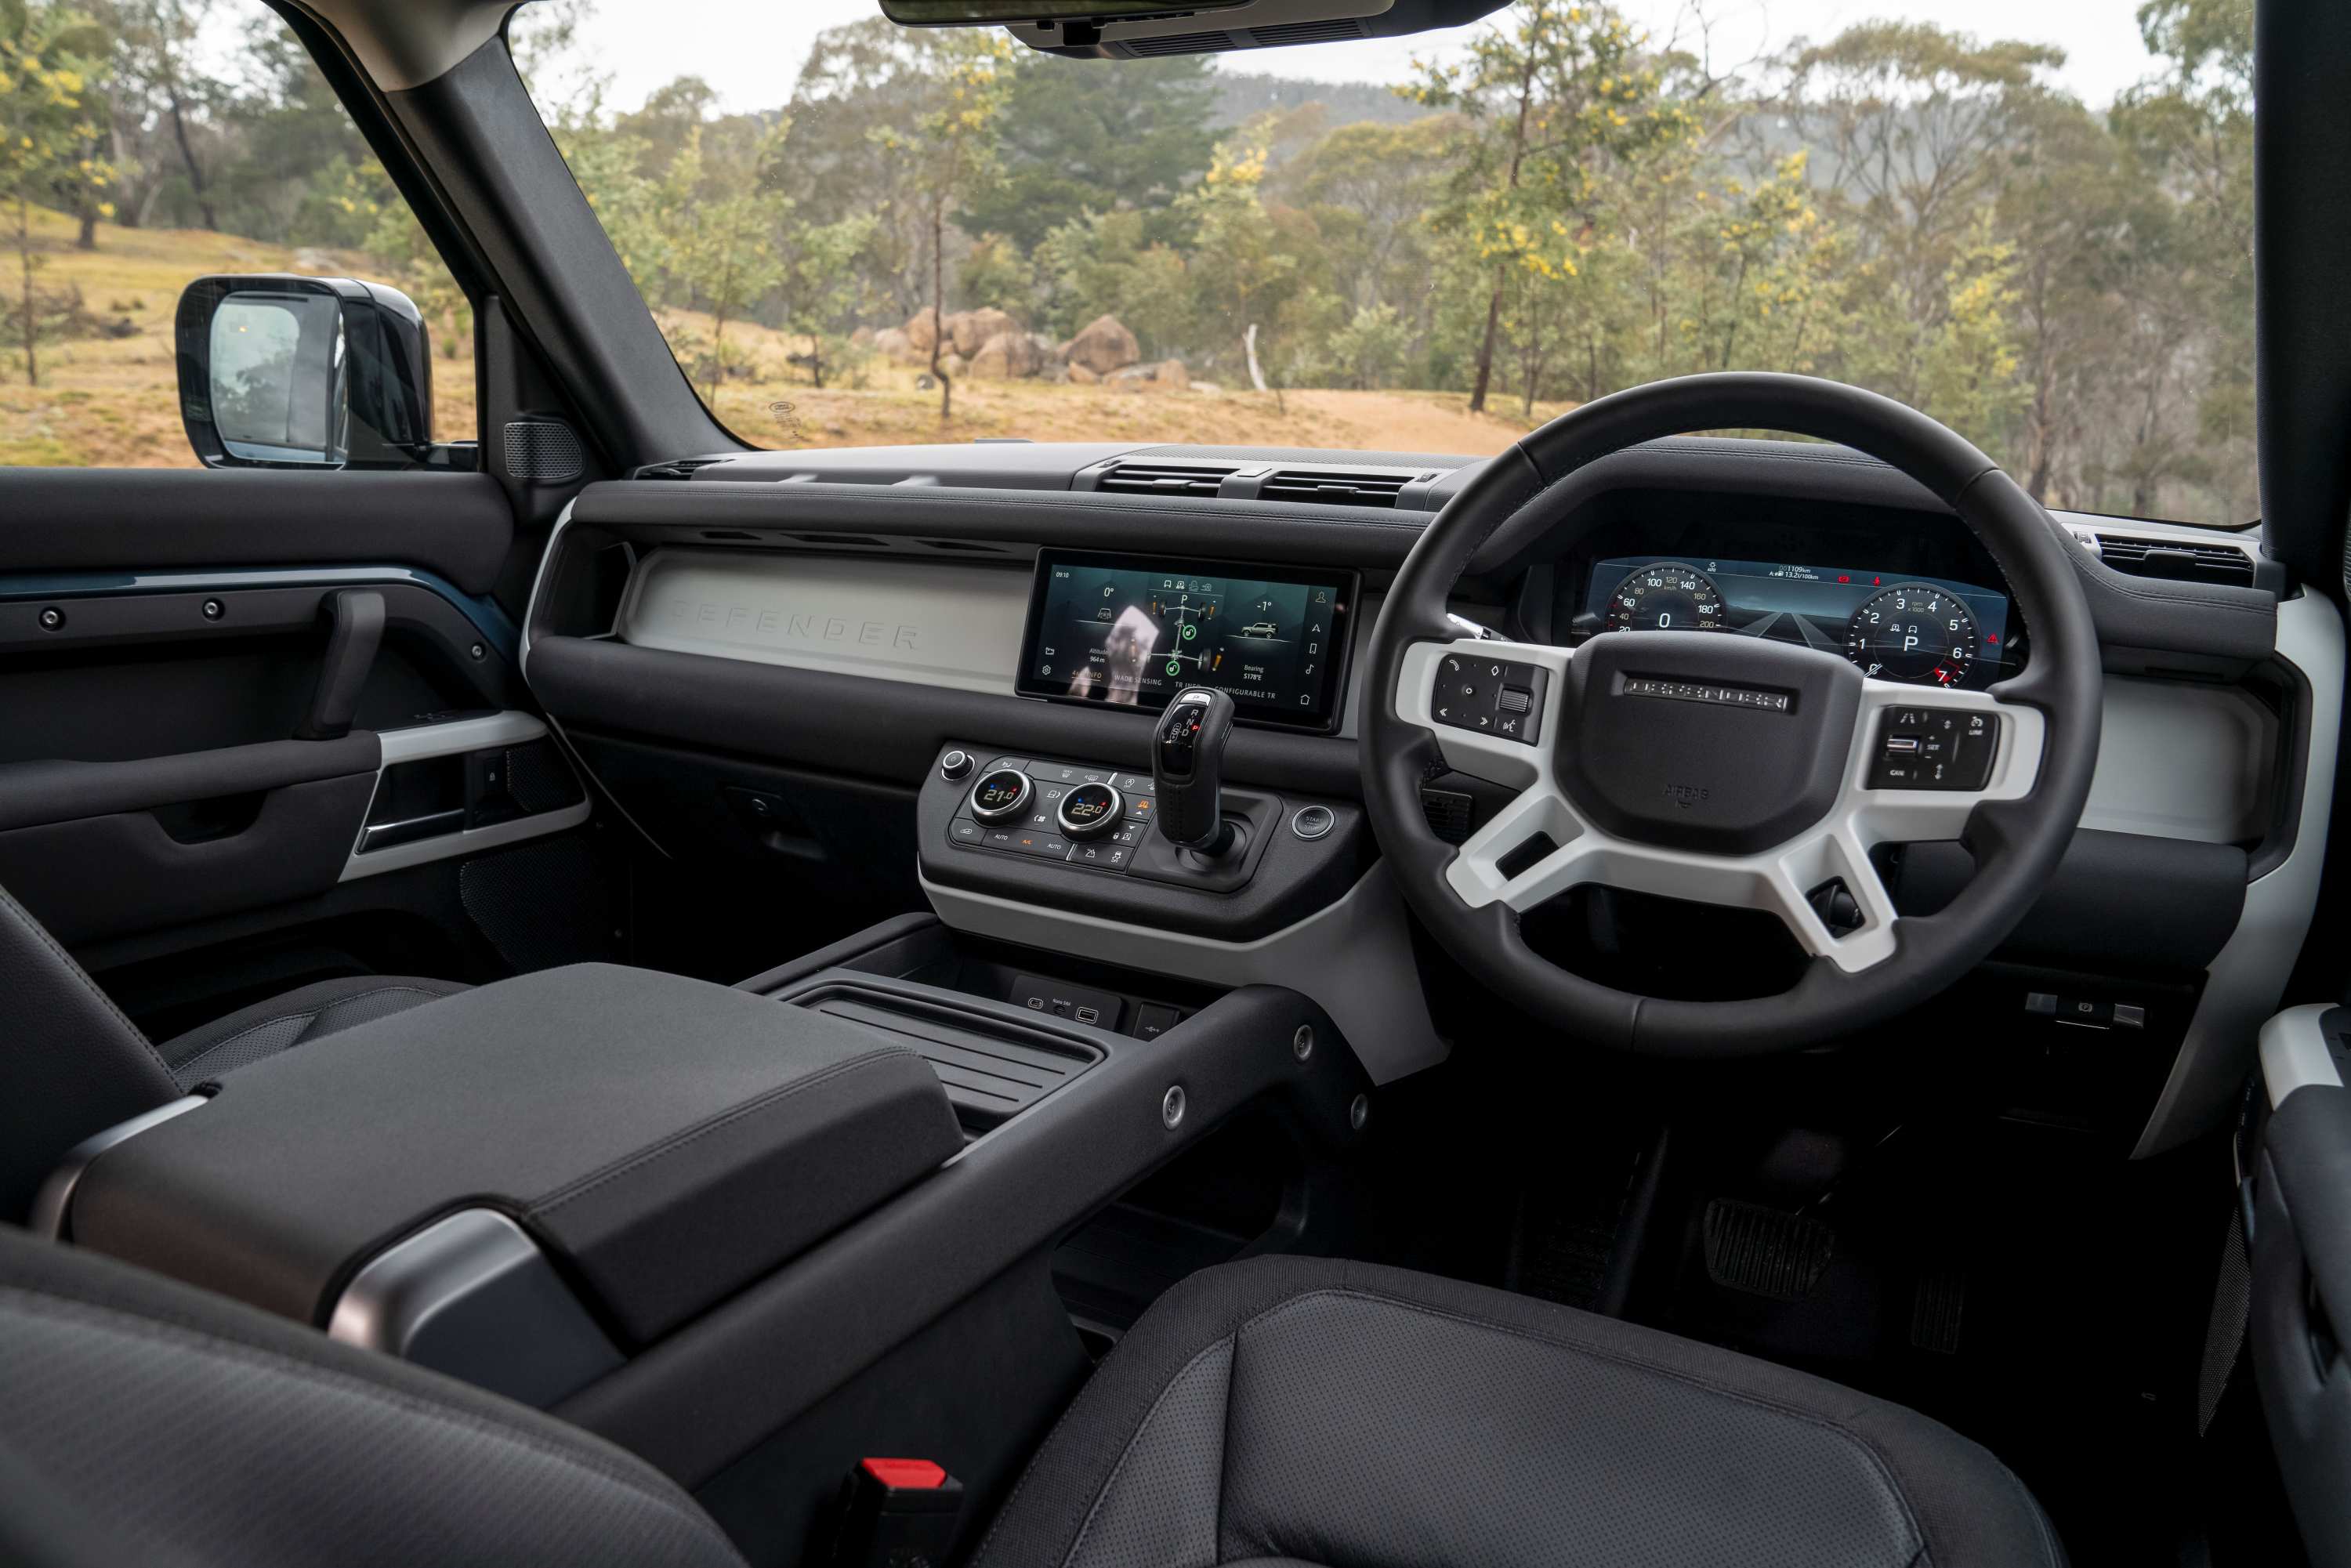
column 1110, row 629
column 1923, row 631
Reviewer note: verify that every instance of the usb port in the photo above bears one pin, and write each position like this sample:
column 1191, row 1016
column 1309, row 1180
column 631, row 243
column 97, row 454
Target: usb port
column 1901, row 744
column 1090, row 1015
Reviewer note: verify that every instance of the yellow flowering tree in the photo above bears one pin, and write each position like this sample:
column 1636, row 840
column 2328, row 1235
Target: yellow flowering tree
column 1555, row 95
column 47, row 131
column 954, row 157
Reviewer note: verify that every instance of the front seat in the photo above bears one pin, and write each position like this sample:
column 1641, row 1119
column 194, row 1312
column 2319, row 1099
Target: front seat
column 1278, row 1412
column 75, row 1065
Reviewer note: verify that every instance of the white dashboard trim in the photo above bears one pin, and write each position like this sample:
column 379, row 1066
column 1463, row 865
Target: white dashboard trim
column 2246, row 981
column 2295, row 1055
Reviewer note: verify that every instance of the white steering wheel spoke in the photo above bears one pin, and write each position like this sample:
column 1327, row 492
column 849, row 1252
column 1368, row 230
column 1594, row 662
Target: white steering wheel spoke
column 1920, row 761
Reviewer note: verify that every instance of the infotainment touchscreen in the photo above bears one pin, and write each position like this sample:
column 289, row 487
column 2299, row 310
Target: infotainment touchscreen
column 1127, row 630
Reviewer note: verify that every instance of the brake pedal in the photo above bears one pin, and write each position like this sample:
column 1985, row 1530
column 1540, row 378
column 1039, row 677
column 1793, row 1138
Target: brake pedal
column 1765, row 1253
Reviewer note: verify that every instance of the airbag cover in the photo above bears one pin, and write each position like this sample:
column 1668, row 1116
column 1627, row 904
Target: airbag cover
column 1705, row 740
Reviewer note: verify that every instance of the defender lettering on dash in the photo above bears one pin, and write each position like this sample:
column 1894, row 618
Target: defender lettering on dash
column 787, row 626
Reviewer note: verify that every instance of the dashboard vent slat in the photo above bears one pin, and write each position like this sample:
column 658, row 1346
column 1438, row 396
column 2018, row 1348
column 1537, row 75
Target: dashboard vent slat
column 1333, row 489
column 2177, row 560
column 1164, row 479
column 1180, row 44
column 1329, row 30
column 681, row 468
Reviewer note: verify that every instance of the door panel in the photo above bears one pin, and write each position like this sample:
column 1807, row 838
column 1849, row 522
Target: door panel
column 164, row 637
column 455, row 525
column 2299, row 1241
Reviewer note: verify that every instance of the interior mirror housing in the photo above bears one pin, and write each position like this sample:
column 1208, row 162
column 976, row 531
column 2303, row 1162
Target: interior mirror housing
column 281, row 371
column 1136, row 30
column 1042, row 13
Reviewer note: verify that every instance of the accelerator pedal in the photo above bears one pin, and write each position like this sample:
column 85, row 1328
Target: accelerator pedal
column 1765, row 1253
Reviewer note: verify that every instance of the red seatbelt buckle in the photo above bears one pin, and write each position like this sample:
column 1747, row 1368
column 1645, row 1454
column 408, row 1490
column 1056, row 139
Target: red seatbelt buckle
column 897, row 1513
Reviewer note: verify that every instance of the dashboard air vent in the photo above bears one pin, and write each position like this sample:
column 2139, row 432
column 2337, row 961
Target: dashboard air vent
column 2177, row 561
column 1179, row 43
column 1163, row 479
column 680, row 469
column 1329, row 31
column 1334, row 490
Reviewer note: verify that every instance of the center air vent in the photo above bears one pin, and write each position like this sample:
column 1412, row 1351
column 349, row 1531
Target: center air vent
column 1334, row 490
column 1163, row 479
column 683, row 468
column 1180, row 44
column 1327, row 31
column 2177, row 561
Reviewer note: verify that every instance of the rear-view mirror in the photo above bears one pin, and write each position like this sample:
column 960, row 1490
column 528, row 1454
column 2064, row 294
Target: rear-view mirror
column 282, row 371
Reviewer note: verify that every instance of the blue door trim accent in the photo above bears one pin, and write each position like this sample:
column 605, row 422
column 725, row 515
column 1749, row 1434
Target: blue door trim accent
column 486, row 617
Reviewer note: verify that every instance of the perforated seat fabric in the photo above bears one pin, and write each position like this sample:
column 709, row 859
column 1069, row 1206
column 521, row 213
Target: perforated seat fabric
column 144, row 1422
column 1342, row 1416
column 281, row 1023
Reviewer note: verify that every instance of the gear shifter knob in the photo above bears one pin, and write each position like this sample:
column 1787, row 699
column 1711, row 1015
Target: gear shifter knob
column 1187, row 769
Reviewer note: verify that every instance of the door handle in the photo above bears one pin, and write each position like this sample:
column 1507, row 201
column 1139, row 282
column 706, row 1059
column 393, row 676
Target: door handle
column 355, row 619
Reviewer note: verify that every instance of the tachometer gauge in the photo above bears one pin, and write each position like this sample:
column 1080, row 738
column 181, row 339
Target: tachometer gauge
column 1913, row 632
column 1665, row 598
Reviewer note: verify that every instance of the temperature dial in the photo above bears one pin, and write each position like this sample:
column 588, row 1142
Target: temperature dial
column 1089, row 811
column 1001, row 796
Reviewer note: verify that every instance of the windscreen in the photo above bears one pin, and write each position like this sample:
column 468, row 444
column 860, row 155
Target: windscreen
column 2032, row 222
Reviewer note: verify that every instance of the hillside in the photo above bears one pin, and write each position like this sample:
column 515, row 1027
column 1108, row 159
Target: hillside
column 111, row 402
column 108, row 401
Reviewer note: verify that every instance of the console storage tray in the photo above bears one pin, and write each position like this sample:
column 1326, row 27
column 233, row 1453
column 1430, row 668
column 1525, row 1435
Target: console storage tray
column 667, row 1142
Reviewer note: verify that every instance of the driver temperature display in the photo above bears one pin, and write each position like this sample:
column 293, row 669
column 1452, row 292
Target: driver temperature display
column 1133, row 632
column 1923, row 631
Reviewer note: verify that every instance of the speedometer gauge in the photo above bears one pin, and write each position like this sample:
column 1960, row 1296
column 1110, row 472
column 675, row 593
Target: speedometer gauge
column 1913, row 632
column 1665, row 598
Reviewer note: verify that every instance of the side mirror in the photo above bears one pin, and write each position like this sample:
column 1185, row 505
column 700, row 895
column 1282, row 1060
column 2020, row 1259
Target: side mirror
column 280, row 371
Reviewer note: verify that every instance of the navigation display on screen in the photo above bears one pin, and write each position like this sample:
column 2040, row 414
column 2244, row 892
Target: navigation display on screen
column 1113, row 629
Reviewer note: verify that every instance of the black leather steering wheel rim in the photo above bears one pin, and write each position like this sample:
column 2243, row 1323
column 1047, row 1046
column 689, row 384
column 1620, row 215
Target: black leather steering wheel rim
column 2016, row 843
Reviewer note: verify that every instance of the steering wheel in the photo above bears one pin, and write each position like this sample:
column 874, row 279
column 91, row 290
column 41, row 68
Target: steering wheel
column 1729, row 770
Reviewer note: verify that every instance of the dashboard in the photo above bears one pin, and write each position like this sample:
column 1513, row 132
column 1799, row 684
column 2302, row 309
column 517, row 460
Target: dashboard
column 1895, row 625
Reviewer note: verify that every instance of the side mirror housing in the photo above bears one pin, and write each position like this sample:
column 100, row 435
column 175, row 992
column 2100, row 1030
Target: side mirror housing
column 281, row 371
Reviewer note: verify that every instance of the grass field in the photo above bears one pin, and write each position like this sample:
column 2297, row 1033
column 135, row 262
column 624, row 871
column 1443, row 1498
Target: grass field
column 111, row 400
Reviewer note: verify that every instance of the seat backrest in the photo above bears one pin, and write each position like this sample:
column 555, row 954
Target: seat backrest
column 142, row 1421
column 70, row 1063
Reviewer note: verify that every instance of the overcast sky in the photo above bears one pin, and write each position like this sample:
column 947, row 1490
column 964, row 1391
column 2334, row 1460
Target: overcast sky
column 751, row 50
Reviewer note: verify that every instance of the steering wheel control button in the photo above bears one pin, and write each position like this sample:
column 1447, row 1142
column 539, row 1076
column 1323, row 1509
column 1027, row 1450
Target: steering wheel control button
column 955, row 766
column 1490, row 696
column 1934, row 749
column 1312, row 821
column 1001, row 796
column 1089, row 812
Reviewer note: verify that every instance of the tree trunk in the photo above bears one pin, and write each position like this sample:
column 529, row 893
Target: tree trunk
column 25, row 257
column 188, row 156
column 938, row 297
column 1484, row 379
column 1249, row 347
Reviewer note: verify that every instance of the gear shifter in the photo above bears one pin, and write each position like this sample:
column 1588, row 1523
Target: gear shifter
column 1187, row 770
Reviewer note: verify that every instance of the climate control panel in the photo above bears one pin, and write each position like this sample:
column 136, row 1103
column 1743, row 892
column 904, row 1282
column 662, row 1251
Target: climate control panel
column 1082, row 815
